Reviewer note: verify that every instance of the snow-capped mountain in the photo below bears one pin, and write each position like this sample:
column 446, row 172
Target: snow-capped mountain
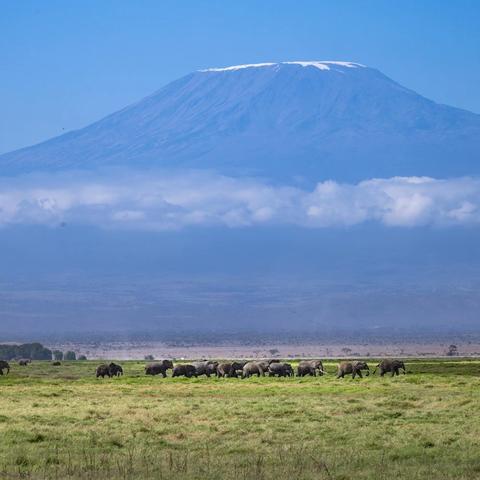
column 316, row 120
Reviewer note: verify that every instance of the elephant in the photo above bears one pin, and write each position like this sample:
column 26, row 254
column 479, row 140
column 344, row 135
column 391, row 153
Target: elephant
column 206, row 368
column 115, row 370
column 355, row 368
column 4, row 366
column 23, row 362
column 310, row 367
column 389, row 365
column 185, row 370
column 236, row 367
column 103, row 371
column 224, row 370
column 159, row 368
column 280, row 369
column 255, row 368
column 56, row 363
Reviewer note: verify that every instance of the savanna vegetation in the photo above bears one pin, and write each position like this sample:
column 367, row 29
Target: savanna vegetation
column 34, row 351
column 60, row 422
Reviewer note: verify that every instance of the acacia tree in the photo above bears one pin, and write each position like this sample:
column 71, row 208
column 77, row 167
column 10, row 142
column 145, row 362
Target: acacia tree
column 452, row 351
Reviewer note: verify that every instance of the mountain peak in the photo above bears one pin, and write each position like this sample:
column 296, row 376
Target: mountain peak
column 320, row 64
column 310, row 119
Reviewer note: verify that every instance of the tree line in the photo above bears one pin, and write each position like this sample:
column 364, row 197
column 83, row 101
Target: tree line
column 35, row 351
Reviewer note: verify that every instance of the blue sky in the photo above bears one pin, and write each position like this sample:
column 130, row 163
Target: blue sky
column 65, row 65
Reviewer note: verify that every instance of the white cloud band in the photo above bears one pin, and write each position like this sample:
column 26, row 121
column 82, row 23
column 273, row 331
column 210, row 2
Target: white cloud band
column 172, row 200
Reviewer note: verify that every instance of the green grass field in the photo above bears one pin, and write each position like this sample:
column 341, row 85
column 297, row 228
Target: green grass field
column 62, row 423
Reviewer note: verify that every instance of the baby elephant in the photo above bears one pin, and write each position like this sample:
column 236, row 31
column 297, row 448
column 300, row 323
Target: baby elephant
column 188, row 371
column 23, row 362
column 4, row 366
column 159, row 368
column 355, row 368
column 392, row 366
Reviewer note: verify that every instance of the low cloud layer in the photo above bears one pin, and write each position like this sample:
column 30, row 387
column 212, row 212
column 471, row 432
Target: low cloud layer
column 169, row 200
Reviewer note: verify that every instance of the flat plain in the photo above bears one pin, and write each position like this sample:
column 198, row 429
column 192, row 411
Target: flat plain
column 60, row 422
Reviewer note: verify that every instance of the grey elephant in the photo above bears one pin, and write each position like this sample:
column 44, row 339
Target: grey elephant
column 392, row 366
column 206, row 367
column 23, row 362
column 184, row 370
column 115, row 370
column 103, row 371
column 280, row 369
column 237, row 366
column 4, row 366
column 310, row 367
column 224, row 370
column 159, row 368
column 56, row 363
column 254, row 368
column 355, row 368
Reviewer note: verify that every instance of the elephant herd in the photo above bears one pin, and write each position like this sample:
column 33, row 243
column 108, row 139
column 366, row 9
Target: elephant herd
column 245, row 369
column 112, row 370
column 259, row 368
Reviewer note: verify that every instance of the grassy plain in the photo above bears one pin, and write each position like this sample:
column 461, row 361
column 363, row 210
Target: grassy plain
column 63, row 423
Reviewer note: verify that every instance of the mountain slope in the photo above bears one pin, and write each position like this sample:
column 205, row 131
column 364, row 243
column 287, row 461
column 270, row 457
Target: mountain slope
column 317, row 120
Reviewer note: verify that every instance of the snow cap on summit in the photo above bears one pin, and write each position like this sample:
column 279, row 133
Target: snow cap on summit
column 321, row 65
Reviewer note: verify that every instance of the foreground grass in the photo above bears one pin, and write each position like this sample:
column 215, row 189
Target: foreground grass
column 61, row 422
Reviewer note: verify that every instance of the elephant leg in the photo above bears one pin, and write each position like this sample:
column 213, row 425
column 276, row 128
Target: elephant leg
column 393, row 372
column 382, row 373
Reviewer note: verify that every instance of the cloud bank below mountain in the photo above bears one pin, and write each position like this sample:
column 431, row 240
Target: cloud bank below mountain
column 164, row 200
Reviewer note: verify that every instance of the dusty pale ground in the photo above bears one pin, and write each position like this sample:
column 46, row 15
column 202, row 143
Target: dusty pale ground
column 138, row 350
